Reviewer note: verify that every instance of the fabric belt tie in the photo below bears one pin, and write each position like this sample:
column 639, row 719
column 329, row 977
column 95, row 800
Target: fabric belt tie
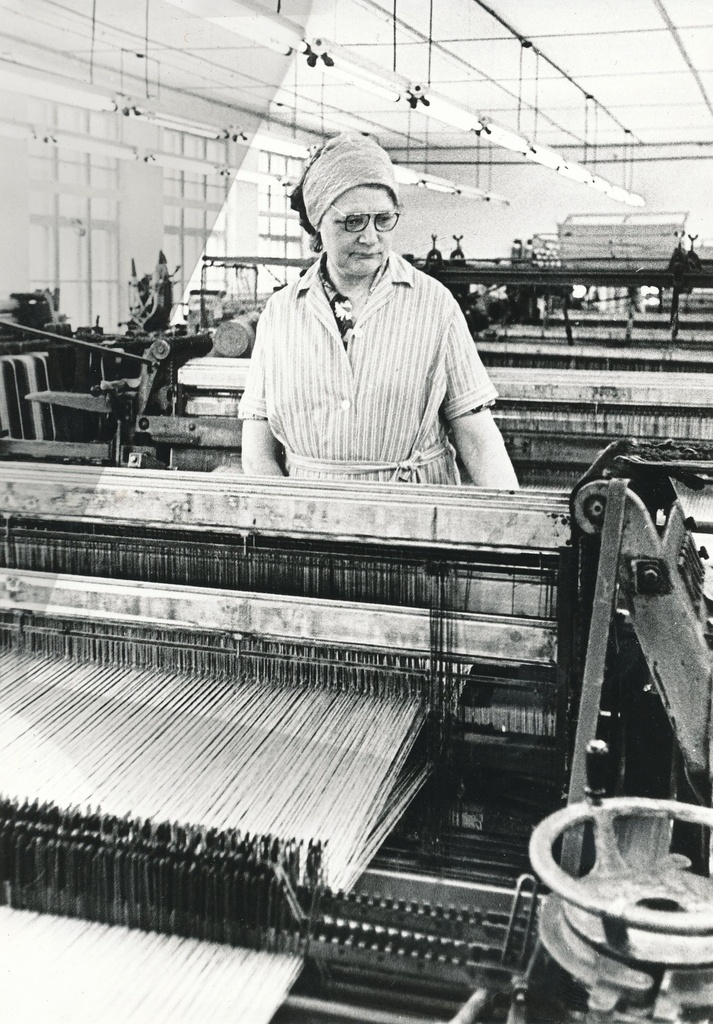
column 407, row 470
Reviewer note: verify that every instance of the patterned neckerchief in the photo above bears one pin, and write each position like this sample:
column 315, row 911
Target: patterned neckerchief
column 342, row 306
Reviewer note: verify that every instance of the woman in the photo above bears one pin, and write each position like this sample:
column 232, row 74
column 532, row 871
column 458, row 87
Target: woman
column 362, row 366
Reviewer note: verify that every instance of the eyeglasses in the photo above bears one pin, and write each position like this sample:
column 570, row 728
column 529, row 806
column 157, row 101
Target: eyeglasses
column 355, row 222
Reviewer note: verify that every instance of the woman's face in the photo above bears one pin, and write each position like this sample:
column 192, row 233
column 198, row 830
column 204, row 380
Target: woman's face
column 357, row 254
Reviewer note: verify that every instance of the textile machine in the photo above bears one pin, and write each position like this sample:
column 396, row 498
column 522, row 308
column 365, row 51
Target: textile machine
column 79, row 395
column 600, row 342
column 554, row 422
column 523, row 634
column 524, row 311
column 180, row 412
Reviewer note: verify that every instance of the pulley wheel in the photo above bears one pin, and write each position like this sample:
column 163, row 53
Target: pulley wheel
column 644, row 907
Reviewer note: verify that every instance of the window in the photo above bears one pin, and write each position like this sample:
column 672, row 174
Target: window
column 192, row 209
column 279, row 231
column 73, row 217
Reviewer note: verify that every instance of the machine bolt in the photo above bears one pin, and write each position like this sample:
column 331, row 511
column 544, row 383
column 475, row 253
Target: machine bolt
column 594, row 509
column 650, row 576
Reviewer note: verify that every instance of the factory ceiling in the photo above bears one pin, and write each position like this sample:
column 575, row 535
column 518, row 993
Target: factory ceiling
column 568, row 75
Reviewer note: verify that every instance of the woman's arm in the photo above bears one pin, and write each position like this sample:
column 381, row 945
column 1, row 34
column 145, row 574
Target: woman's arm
column 482, row 451
column 260, row 450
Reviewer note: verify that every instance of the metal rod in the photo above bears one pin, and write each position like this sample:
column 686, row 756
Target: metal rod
column 91, row 345
column 676, row 36
column 317, row 1008
column 598, row 161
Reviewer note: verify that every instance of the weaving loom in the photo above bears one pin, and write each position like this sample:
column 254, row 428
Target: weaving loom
column 208, row 666
column 554, row 422
column 128, row 592
column 602, row 344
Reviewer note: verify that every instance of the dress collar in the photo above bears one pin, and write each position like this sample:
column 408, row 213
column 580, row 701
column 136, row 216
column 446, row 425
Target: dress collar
column 396, row 267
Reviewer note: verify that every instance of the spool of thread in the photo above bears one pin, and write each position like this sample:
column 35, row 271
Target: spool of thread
column 236, row 337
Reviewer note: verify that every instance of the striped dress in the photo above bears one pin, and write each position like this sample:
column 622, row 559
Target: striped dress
column 379, row 409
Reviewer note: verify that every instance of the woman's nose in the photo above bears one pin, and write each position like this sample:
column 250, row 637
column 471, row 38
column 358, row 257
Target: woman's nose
column 369, row 234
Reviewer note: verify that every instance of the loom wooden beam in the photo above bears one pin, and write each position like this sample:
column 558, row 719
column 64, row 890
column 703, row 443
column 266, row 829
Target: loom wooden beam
column 534, row 384
column 449, row 517
column 289, row 619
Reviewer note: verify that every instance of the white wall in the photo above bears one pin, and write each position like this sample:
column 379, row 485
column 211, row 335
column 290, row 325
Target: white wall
column 140, row 194
column 14, row 205
column 539, row 200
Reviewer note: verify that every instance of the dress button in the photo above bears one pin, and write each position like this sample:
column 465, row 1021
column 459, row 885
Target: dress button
column 346, row 404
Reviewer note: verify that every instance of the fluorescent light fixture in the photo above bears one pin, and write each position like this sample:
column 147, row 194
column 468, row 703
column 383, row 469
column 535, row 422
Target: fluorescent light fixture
column 600, row 184
column 577, row 173
column 11, row 130
column 176, row 124
column 436, row 184
column 333, row 61
column 59, row 90
column 478, row 193
column 505, row 138
column 619, row 194
column 186, row 164
column 66, row 140
column 284, row 147
column 545, row 156
column 406, row 176
column 259, row 178
column 247, row 20
column 349, row 75
column 87, row 144
column 443, row 110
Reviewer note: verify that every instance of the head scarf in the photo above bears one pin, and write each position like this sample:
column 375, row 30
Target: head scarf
column 349, row 160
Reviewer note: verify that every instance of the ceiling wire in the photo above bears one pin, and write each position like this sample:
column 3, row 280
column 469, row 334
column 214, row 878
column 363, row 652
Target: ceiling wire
column 205, row 65
column 527, row 42
column 477, row 165
column 374, row 6
column 613, row 160
column 536, row 109
column 146, row 50
column 675, row 35
column 575, row 35
column 430, row 41
column 94, row 32
column 519, row 89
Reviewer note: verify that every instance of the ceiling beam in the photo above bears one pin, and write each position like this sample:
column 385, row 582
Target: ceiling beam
column 524, row 41
column 675, row 35
column 422, row 38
